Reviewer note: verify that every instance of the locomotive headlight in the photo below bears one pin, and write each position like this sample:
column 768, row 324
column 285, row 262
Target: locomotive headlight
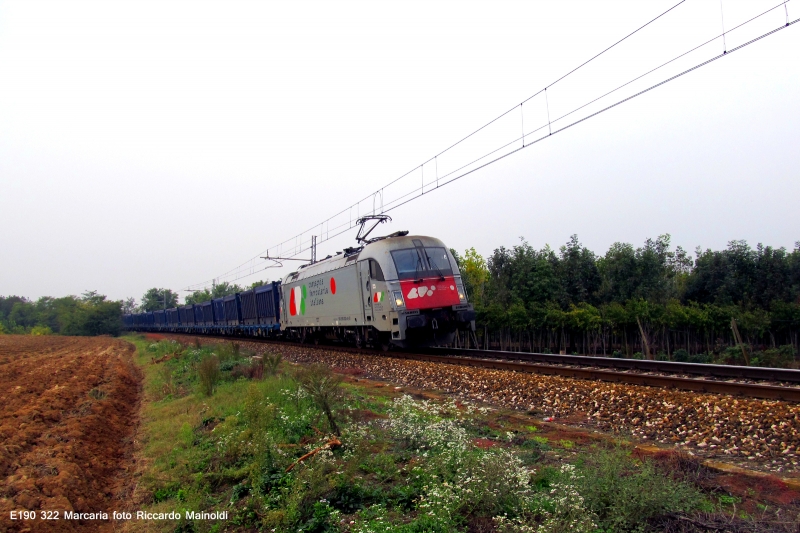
column 462, row 294
column 398, row 299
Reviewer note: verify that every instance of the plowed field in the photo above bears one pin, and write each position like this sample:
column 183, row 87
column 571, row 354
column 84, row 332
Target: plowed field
column 68, row 408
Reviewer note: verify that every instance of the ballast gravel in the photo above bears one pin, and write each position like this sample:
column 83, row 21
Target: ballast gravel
column 760, row 433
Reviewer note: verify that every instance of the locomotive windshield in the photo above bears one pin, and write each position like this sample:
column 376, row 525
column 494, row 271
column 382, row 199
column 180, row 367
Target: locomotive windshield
column 437, row 259
column 421, row 262
column 408, row 262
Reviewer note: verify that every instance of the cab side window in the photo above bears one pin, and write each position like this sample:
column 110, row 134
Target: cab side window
column 375, row 271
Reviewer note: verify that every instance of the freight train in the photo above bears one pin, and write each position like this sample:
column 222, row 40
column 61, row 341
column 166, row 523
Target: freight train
column 397, row 290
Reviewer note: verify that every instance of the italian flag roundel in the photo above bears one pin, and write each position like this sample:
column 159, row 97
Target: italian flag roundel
column 297, row 301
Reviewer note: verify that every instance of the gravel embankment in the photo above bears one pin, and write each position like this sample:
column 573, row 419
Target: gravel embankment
column 756, row 432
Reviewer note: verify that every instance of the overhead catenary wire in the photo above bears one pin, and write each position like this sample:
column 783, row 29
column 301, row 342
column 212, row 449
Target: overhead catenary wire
column 298, row 244
column 584, row 119
column 343, row 228
column 667, row 63
column 548, row 124
column 559, row 130
column 565, row 76
column 260, row 254
column 575, row 110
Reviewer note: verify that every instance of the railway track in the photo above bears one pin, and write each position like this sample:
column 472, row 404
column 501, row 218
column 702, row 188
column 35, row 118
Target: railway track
column 732, row 388
column 717, row 379
column 750, row 373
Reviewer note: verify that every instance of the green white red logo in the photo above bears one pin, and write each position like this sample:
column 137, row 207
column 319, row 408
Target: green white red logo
column 378, row 297
column 299, row 294
column 297, row 301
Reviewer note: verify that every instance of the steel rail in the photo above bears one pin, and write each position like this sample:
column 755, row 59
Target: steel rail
column 669, row 367
column 749, row 390
column 752, row 390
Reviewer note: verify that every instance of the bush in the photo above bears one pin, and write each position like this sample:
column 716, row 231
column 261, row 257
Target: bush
column 681, row 355
column 254, row 370
column 533, row 449
column 41, row 330
column 228, row 365
column 271, row 362
column 224, row 352
column 625, row 493
column 165, row 349
column 782, row 357
column 559, row 509
column 457, row 480
column 208, row 374
column 324, row 388
column 701, row 358
column 323, row 519
column 228, row 351
column 349, row 497
column 168, row 387
column 732, row 355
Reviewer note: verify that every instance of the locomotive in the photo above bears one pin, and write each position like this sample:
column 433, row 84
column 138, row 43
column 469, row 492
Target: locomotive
column 399, row 290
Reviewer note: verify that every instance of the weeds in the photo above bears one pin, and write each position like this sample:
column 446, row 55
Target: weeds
column 226, row 351
column 164, row 350
column 168, row 387
column 560, row 509
column 324, row 388
column 229, row 364
column 271, row 362
column 208, row 374
column 624, row 493
column 97, row 394
column 257, row 446
column 41, row 330
column 253, row 370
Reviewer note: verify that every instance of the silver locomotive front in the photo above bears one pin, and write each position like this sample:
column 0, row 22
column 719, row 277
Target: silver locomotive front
column 401, row 290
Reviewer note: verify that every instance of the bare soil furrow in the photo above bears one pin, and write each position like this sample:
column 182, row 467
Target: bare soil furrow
column 68, row 409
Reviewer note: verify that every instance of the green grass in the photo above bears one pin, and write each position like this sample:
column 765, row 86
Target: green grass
column 403, row 465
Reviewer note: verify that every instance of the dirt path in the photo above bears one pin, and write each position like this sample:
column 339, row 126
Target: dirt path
column 68, row 412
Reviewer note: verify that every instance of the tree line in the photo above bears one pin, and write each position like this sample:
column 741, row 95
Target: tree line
column 740, row 305
column 93, row 313
column 88, row 314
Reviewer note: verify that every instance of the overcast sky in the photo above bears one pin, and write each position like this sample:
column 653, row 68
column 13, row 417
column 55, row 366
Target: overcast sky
column 163, row 143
